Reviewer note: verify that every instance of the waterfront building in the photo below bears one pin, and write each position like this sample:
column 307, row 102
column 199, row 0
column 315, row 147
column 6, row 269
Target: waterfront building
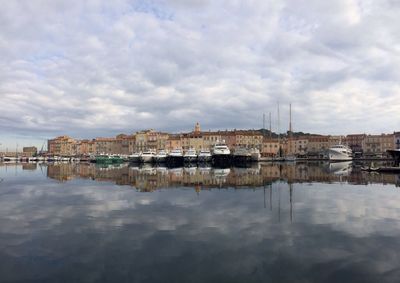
column 355, row 142
column 211, row 138
column 396, row 140
column 248, row 139
column 335, row 140
column 29, row 151
column 106, row 145
column 173, row 142
column 62, row 145
column 270, row 147
column 317, row 145
column 377, row 145
column 296, row 146
column 192, row 140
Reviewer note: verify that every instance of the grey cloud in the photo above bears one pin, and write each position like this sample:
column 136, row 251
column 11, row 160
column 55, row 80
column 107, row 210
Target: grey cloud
column 98, row 68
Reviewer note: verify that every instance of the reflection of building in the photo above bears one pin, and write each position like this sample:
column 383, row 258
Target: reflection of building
column 149, row 178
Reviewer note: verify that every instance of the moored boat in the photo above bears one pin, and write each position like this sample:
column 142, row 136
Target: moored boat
column 241, row 154
column 221, row 154
column 190, row 156
column 160, row 157
column 134, row 158
column 175, row 156
column 204, row 156
column 147, row 156
column 340, row 152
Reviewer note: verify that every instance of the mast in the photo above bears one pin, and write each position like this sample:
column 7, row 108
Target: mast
column 263, row 122
column 270, row 126
column 290, row 118
column 279, row 132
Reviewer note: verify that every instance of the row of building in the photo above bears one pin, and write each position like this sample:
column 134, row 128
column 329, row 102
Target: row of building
column 312, row 145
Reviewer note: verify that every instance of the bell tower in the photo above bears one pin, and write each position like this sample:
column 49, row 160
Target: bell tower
column 197, row 128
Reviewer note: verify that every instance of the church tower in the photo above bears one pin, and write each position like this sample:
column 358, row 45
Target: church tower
column 197, row 128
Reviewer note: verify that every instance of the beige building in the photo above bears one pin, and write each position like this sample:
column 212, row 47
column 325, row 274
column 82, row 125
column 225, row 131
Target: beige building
column 296, row 146
column 378, row 144
column 62, row 145
column 270, row 147
column 335, row 140
column 317, row 145
column 249, row 139
column 173, row 142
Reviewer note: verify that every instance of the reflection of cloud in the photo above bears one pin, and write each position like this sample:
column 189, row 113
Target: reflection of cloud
column 217, row 235
column 65, row 66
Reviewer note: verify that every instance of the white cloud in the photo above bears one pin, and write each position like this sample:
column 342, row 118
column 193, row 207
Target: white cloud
column 92, row 68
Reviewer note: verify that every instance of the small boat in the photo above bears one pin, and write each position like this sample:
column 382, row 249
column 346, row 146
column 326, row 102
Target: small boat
column 147, row 156
column 161, row 156
column 108, row 159
column 204, row 156
column 190, row 156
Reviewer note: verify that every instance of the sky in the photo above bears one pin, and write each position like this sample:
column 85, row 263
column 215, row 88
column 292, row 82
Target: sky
column 100, row 68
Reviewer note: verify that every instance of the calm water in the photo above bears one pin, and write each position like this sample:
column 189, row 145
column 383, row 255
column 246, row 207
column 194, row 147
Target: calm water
column 267, row 223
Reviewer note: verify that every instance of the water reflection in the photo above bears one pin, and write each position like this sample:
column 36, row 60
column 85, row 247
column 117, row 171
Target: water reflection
column 148, row 178
column 282, row 223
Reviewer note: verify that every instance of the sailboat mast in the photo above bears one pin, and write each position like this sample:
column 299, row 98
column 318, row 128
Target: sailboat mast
column 270, row 125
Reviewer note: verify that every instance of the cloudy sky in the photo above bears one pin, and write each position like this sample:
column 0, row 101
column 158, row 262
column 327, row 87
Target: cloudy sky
column 98, row 68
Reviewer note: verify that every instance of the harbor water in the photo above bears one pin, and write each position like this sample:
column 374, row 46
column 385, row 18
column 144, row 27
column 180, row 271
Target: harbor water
column 288, row 222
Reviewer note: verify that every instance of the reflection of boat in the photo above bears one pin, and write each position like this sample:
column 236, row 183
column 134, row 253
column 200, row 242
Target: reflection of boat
column 204, row 156
column 340, row 152
column 190, row 155
column 340, row 168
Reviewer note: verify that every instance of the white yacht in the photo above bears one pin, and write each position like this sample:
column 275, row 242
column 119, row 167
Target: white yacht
column 161, row 156
column 147, row 156
column 190, row 155
column 175, row 156
column 204, row 156
column 340, row 152
column 242, row 154
column 221, row 153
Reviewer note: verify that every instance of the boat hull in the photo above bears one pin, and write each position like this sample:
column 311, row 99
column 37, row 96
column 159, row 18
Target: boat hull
column 190, row 159
column 204, row 159
column 174, row 160
column 222, row 159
